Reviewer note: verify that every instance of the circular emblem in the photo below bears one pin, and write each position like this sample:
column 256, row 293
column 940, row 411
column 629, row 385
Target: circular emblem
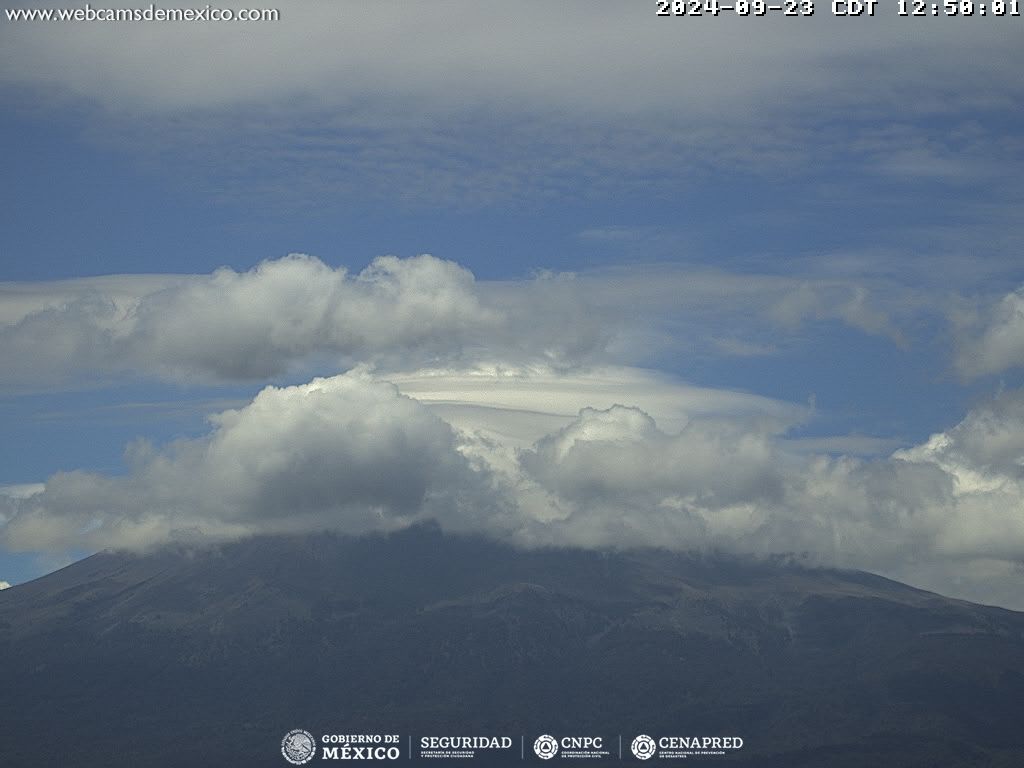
column 298, row 746
column 643, row 747
column 546, row 747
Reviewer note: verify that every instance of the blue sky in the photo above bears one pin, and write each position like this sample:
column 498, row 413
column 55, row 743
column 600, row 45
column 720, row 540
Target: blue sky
column 793, row 241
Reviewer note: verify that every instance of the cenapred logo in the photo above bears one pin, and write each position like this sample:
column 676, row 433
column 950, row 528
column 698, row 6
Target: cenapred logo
column 298, row 746
column 546, row 747
column 643, row 747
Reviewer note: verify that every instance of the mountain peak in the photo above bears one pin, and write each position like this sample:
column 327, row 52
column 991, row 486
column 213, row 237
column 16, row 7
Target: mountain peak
column 418, row 630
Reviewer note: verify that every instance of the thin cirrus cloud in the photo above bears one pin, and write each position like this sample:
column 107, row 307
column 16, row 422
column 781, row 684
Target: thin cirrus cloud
column 353, row 453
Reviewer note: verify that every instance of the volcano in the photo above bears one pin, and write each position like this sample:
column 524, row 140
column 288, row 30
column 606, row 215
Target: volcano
column 209, row 654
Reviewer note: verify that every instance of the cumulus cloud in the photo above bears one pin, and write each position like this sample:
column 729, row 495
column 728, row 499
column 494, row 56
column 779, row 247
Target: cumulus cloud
column 347, row 452
column 353, row 453
column 983, row 456
column 296, row 315
column 230, row 325
column 992, row 340
column 5, row 585
column 619, row 461
column 947, row 514
column 613, row 477
column 295, row 307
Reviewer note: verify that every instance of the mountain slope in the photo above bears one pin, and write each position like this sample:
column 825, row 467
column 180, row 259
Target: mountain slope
column 208, row 655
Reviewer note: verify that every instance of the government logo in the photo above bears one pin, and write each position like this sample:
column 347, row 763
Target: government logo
column 546, row 747
column 298, row 746
column 643, row 747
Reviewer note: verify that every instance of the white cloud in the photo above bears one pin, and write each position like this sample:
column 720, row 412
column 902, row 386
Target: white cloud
column 296, row 315
column 122, row 292
column 992, row 340
column 609, row 56
column 347, row 452
column 930, row 514
column 255, row 323
column 947, row 514
column 5, row 585
column 502, row 409
column 230, row 325
column 22, row 490
column 352, row 453
column 983, row 456
column 620, row 457
column 406, row 100
column 521, row 404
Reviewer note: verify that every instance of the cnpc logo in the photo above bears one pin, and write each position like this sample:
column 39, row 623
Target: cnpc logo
column 545, row 747
column 548, row 746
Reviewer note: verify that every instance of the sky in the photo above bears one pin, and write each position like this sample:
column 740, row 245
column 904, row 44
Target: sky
column 557, row 273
